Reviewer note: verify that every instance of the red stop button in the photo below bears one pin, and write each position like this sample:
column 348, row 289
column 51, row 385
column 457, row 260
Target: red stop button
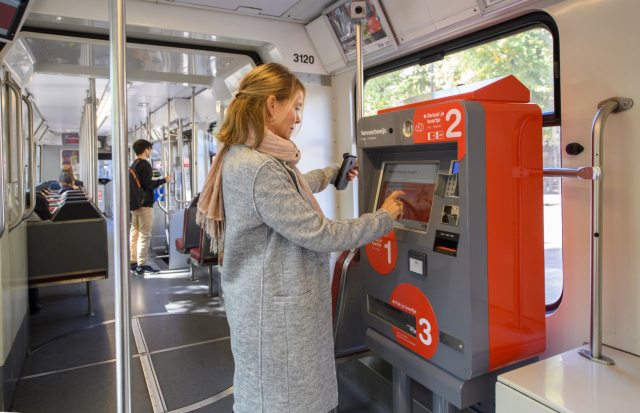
column 383, row 253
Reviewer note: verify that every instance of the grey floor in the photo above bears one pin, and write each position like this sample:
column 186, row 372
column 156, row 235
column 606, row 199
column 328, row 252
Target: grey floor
column 71, row 366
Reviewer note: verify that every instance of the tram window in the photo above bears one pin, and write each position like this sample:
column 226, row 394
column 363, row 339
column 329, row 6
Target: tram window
column 527, row 55
column 554, row 276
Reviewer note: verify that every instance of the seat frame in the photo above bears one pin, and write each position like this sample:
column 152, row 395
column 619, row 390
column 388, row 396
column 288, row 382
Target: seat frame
column 205, row 247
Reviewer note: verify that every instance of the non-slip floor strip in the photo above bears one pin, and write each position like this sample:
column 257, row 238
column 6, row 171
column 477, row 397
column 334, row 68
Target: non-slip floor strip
column 153, row 387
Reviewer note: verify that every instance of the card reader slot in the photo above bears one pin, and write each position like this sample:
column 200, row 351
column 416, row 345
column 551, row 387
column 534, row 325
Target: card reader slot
column 446, row 243
column 392, row 315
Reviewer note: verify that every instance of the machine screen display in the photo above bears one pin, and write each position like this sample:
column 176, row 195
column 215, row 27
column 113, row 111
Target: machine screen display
column 418, row 182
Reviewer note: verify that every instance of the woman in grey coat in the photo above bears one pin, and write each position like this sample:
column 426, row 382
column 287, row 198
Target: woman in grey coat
column 275, row 242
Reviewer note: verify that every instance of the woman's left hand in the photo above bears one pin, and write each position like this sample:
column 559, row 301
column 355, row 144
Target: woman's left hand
column 353, row 173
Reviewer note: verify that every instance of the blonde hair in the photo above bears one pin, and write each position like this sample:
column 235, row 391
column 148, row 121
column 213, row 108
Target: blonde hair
column 249, row 107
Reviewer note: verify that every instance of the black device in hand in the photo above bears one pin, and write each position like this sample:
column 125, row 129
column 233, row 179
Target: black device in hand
column 347, row 165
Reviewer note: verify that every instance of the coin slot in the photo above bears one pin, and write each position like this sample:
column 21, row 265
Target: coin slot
column 450, row 215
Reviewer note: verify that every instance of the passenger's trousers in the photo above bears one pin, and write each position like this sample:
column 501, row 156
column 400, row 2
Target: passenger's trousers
column 141, row 224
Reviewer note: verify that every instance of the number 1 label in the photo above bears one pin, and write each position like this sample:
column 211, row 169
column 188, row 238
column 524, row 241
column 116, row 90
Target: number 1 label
column 383, row 253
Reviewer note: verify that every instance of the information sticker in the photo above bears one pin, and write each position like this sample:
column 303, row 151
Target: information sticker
column 383, row 253
column 425, row 337
column 445, row 122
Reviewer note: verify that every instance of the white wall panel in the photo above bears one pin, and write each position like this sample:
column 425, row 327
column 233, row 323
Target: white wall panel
column 596, row 64
column 316, row 143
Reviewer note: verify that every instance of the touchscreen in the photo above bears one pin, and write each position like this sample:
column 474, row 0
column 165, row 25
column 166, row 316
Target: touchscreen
column 418, row 182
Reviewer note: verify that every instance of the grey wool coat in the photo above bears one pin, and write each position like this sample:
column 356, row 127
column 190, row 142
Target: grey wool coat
column 276, row 282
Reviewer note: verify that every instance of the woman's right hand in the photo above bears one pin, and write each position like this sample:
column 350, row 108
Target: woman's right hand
column 394, row 206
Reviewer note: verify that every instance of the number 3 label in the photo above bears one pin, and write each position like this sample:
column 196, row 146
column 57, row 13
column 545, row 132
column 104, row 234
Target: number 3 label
column 426, row 331
column 411, row 300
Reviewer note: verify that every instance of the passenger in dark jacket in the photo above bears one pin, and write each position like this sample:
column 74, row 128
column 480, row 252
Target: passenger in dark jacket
column 55, row 186
column 42, row 207
column 66, row 182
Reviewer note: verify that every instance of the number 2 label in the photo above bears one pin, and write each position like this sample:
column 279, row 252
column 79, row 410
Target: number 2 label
column 456, row 122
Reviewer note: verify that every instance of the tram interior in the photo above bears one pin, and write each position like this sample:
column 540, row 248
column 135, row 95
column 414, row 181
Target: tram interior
column 512, row 288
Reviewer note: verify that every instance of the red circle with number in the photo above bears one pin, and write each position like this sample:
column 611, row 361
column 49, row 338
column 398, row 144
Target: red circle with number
column 425, row 336
column 383, row 253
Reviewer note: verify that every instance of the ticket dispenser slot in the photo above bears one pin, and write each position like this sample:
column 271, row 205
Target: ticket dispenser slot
column 392, row 315
column 446, row 243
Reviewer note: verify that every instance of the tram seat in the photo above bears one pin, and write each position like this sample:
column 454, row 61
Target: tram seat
column 81, row 239
column 74, row 210
column 201, row 256
column 349, row 328
column 190, row 230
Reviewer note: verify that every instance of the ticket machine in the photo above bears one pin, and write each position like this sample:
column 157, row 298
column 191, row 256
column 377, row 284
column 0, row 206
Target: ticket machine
column 454, row 295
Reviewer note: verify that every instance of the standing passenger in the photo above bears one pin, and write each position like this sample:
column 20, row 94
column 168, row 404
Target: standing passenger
column 276, row 241
column 142, row 218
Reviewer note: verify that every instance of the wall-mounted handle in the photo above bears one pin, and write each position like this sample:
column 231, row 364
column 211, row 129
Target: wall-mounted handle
column 32, row 161
column 595, row 173
column 586, row 172
column 18, row 95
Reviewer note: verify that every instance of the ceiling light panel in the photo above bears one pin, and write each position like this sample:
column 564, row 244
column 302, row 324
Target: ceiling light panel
column 275, row 8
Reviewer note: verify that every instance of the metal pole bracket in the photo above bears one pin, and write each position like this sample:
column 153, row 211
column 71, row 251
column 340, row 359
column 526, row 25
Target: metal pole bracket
column 623, row 103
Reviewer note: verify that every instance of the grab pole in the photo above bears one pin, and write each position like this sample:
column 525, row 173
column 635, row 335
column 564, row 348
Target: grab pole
column 595, row 173
column 20, row 149
column 3, row 209
column 32, row 160
column 118, row 81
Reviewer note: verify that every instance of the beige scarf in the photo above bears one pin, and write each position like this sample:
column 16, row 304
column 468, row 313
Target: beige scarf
column 210, row 214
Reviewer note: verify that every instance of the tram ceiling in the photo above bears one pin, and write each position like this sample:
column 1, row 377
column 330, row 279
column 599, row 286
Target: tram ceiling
column 54, row 70
column 61, row 100
column 299, row 10
column 35, row 53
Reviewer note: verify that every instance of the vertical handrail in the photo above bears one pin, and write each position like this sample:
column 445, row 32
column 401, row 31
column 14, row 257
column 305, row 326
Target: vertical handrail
column 118, row 80
column 3, row 188
column 32, row 161
column 194, row 145
column 93, row 136
column 359, row 73
column 605, row 108
column 163, row 197
column 20, row 169
column 183, row 184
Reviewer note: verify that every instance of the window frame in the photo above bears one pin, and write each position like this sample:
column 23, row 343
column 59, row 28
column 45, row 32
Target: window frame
column 486, row 35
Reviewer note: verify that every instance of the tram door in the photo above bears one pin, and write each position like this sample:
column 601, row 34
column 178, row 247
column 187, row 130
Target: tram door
column 173, row 156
